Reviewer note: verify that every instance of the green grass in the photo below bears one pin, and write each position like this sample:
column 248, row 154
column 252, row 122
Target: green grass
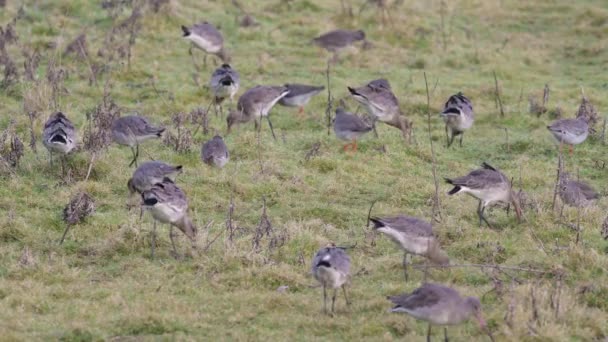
column 101, row 283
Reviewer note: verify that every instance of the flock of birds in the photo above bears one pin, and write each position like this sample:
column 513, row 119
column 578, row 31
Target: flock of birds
column 168, row 204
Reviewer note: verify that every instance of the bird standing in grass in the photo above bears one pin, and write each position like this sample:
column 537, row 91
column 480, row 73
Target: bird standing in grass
column 299, row 95
column 331, row 267
column 489, row 186
column 215, row 152
column 150, row 173
column 337, row 40
column 168, row 204
column 569, row 131
column 458, row 116
column 59, row 136
column 414, row 236
column 382, row 104
column 439, row 305
column 225, row 82
column 255, row 104
column 133, row 130
column 348, row 126
column 206, row 37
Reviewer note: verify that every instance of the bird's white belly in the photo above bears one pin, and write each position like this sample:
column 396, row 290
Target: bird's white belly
column 412, row 244
column 220, row 161
column 204, row 44
column 60, row 147
column 489, row 196
column 166, row 213
column 225, row 91
column 330, row 277
column 297, row 101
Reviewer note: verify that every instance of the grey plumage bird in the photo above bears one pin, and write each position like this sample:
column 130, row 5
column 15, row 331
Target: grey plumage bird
column 350, row 127
column 331, row 268
column 382, row 104
column 438, row 305
column 150, row 173
column 224, row 83
column 299, row 95
column 168, row 204
column 489, row 186
column 215, row 152
column 255, row 104
column 569, row 131
column 576, row 193
column 458, row 116
column 132, row 130
column 207, row 38
column 59, row 136
column 336, row 40
column 413, row 236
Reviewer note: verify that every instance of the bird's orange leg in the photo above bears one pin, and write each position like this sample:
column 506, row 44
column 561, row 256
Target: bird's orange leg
column 355, row 145
column 571, row 150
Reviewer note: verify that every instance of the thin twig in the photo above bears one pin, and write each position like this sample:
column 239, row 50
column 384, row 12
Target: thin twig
column 90, row 166
column 497, row 94
column 212, row 241
column 369, row 213
column 559, row 171
column 436, row 205
column 330, row 101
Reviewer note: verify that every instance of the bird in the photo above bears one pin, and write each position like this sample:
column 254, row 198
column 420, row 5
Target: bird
column 348, row 126
column 225, row 82
column 489, row 186
column 458, row 116
column 575, row 193
column 150, row 173
column 206, row 37
column 59, row 136
column 382, row 104
column 132, row 130
column 380, row 83
column 256, row 103
column 439, row 305
column 569, row 131
column 336, row 40
column 299, row 95
column 215, row 152
column 168, row 204
column 413, row 235
column 331, row 268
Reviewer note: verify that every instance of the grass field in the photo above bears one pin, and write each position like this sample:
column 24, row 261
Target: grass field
column 102, row 284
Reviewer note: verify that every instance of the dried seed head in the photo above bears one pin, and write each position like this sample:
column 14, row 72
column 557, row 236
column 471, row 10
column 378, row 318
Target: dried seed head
column 80, row 206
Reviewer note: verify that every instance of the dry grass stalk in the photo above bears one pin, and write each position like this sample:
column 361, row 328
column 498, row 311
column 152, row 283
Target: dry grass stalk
column 229, row 223
column 11, row 147
column 330, row 100
column 436, row 211
column 497, row 95
column 30, row 63
column 199, row 118
column 587, row 111
column 313, row 152
column 77, row 210
column 27, row 258
column 98, row 133
column 78, row 47
column 605, row 228
column 182, row 142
